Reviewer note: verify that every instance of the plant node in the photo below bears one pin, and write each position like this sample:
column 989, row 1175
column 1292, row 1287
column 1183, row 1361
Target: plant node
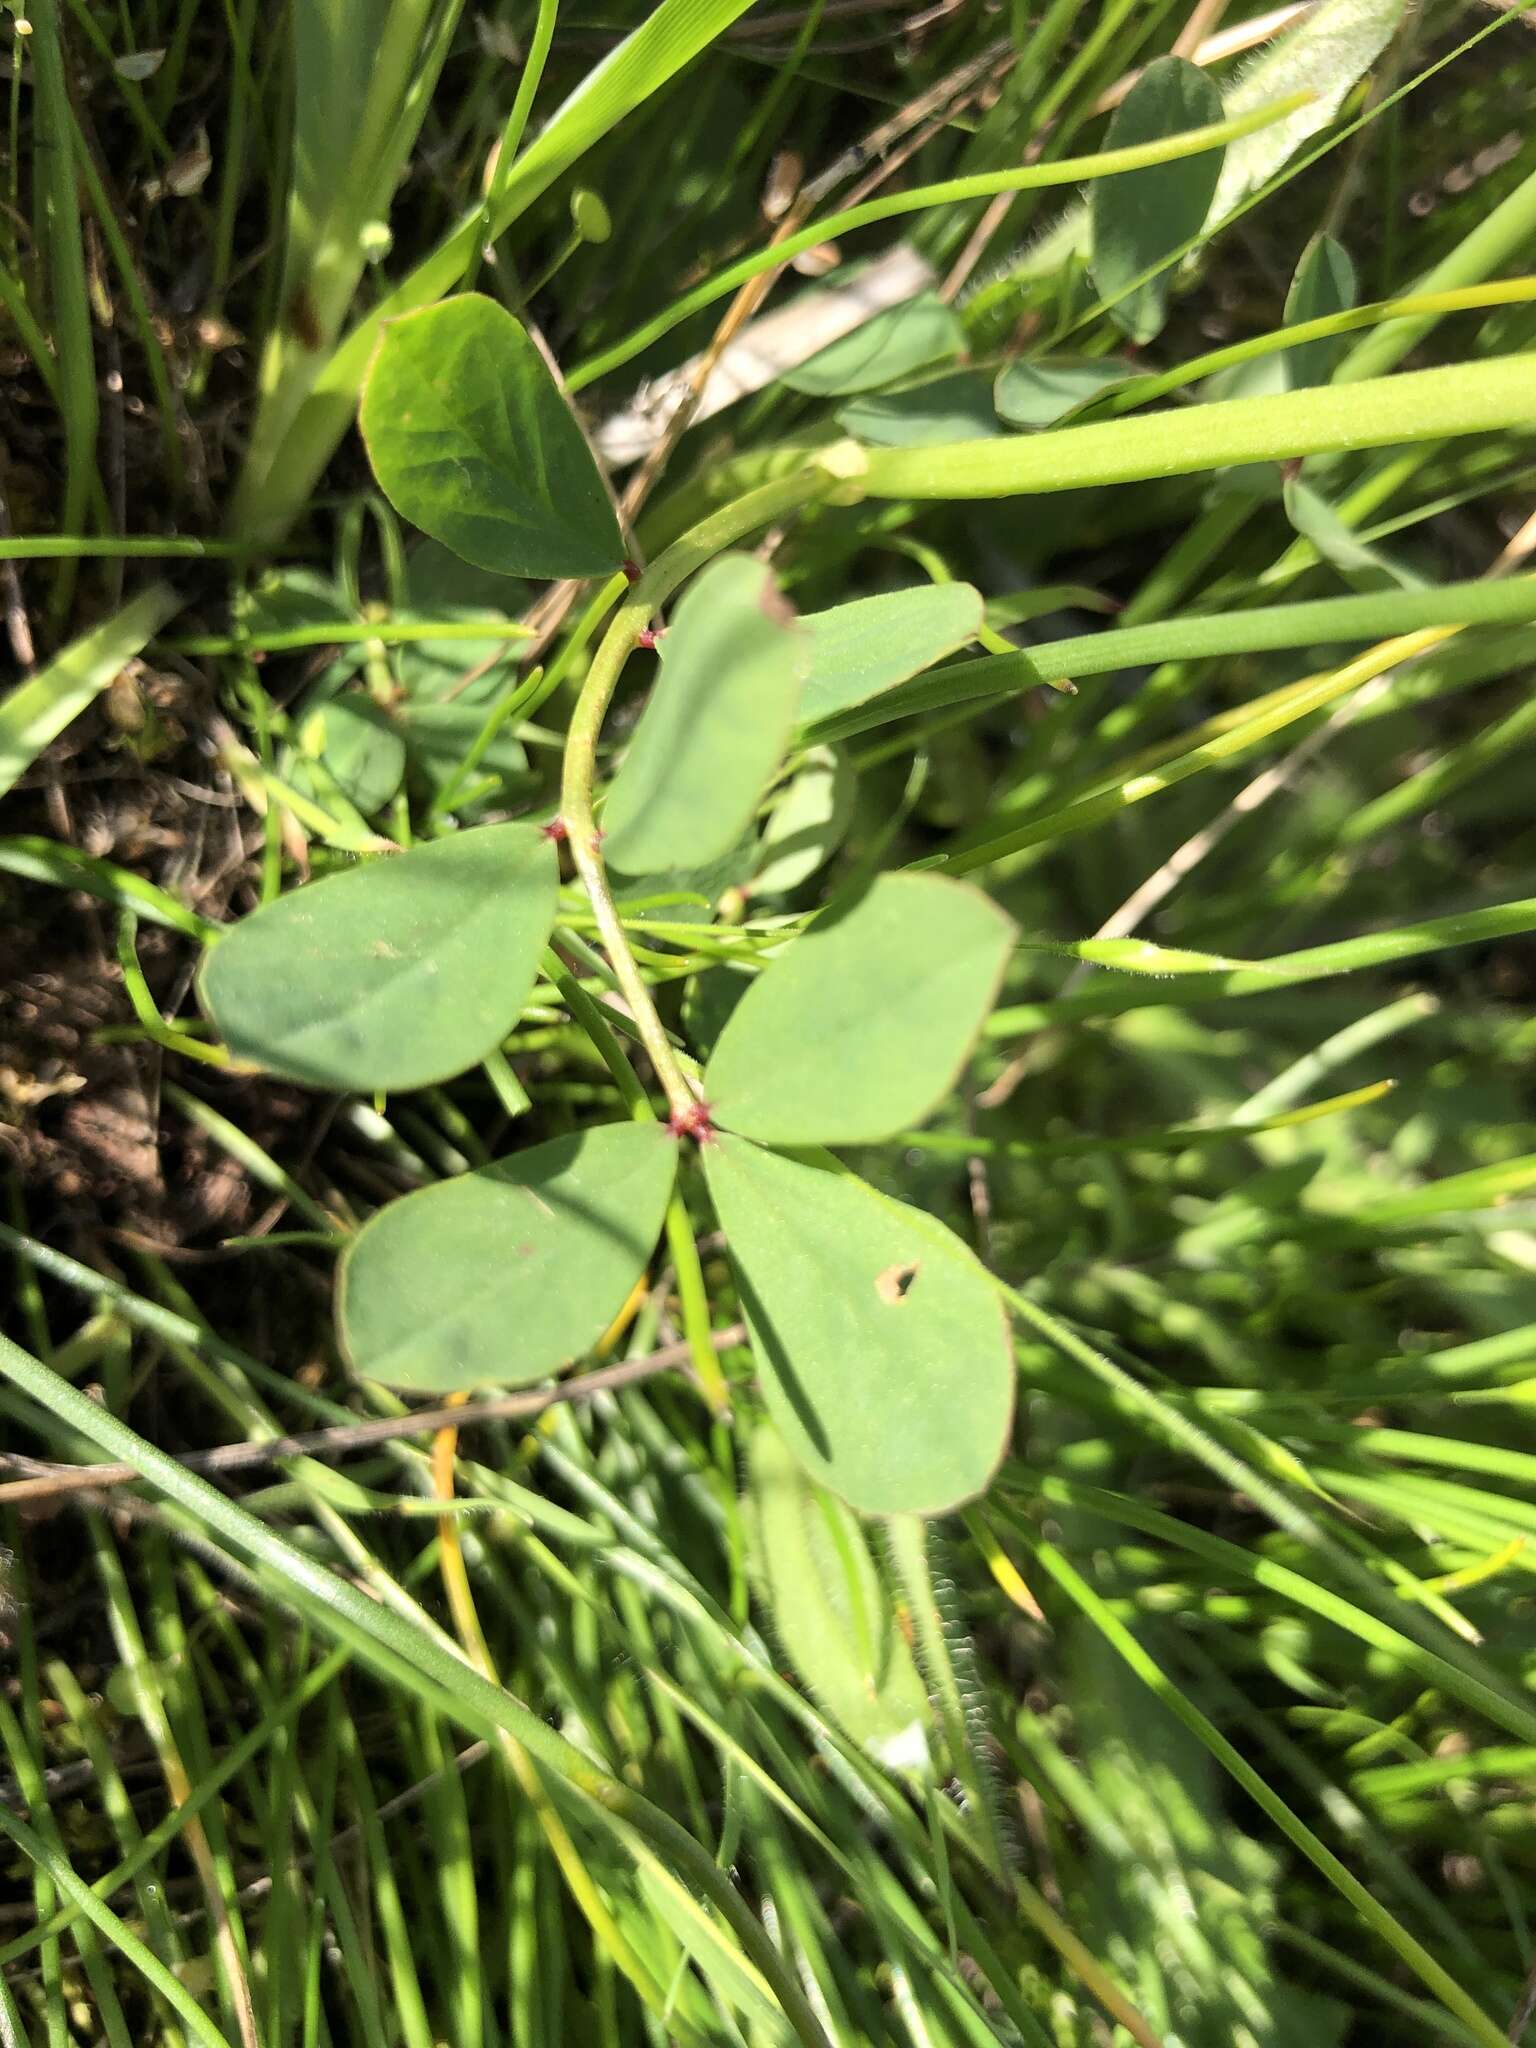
column 692, row 1120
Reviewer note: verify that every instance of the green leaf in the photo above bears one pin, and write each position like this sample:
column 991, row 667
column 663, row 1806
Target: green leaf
column 1142, row 217
column 957, row 407
column 893, row 344
column 884, row 1353
column 1480, row 1187
column 860, row 649
column 499, row 1276
column 833, row 1617
column 359, row 746
column 732, row 666
column 862, row 1026
column 1324, row 284
column 439, row 737
column 37, row 711
column 704, row 885
column 806, row 825
column 471, row 440
column 1045, row 391
column 397, row 973
column 1338, row 543
column 289, row 600
column 450, row 686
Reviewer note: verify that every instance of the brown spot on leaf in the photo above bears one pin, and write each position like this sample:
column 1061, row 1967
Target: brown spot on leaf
column 892, row 1284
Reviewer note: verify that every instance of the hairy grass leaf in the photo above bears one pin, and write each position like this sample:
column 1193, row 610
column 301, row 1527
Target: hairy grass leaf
column 831, row 1611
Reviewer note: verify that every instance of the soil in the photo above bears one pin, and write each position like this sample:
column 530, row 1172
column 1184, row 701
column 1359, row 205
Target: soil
column 85, row 1133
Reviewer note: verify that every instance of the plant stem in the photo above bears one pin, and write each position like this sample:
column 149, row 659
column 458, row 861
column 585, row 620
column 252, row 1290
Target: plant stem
column 1416, row 405
column 698, row 546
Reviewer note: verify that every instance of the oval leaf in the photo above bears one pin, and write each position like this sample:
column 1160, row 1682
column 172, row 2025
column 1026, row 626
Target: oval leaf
column 890, row 345
column 1044, row 392
column 860, row 649
column 499, row 1276
column 831, row 1612
column 806, row 825
column 1324, row 284
column 862, row 1025
column 1140, row 217
column 707, row 745
column 472, row 441
column 883, row 1349
column 955, row 407
column 395, row 974
column 360, row 748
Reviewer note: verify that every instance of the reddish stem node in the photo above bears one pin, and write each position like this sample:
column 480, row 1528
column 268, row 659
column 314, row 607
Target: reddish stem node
column 694, row 1121
column 556, row 830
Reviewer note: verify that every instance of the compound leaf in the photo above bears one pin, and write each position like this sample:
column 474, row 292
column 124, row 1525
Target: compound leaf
column 893, row 344
column 882, row 1345
column 860, row 1028
column 471, row 440
column 397, row 973
column 732, row 666
column 498, row 1276
column 860, row 649
column 1043, row 391
column 1324, row 283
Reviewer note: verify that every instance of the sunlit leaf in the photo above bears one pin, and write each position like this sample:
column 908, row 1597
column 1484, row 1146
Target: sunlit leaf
column 36, row 711
column 862, row 648
column 1141, row 217
column 830, row 1610
column 1329, row 48
column 732, row 667
column 882, row 1346
column 806, row 825
column 499, row 1276
column 1480, row 1187
column 399, row 972
column 472, row 441
column 862, row 1025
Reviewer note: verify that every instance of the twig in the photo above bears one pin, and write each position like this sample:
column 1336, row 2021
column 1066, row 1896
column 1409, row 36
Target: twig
column 340, row 1438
